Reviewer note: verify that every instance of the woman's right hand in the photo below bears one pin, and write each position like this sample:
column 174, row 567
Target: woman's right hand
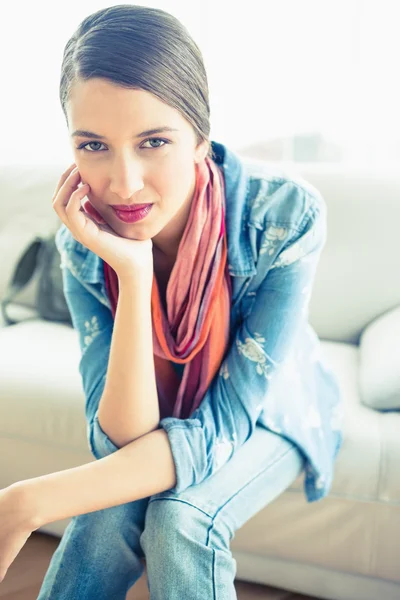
column 128, row 258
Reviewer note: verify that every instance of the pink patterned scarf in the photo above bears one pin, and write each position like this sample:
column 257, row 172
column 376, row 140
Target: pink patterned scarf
column 195, row 331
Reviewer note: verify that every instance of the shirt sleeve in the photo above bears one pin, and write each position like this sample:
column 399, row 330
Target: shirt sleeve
column 229, row 411
column 93, row 323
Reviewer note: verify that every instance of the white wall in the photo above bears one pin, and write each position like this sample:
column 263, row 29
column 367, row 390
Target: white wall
column 276, row 68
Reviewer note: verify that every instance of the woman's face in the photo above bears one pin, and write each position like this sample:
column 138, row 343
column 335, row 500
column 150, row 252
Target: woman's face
column 122, row 165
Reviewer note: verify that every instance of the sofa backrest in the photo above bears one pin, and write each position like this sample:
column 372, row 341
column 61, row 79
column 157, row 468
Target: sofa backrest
column 358, row 274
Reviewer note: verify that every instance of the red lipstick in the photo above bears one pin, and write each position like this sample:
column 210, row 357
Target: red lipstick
column 131, row 215
column 129, row 206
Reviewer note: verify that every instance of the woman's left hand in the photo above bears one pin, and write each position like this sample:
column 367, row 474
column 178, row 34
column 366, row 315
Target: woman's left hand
column 16, row 526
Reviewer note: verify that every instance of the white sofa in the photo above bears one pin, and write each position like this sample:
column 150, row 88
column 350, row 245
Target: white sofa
column 345, row 547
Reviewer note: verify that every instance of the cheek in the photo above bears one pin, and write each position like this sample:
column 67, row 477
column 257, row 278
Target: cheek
column 175, row 177
column 98, row 188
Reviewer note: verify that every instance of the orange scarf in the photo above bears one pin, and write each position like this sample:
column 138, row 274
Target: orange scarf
column 195, row 332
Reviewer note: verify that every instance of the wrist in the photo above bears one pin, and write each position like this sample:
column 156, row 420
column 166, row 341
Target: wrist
column 136, row 278
column 25, row 499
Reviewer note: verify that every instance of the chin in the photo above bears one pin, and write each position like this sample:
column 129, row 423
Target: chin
column 130, row 234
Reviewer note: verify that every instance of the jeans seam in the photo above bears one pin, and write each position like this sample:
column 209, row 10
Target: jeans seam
column 182, row 502
column 213, row 574
column 212, row 517
column 254, row 478
column 244, row 486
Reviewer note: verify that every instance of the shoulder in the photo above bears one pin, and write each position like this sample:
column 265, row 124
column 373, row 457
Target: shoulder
column 280, row 197
column 285, row 218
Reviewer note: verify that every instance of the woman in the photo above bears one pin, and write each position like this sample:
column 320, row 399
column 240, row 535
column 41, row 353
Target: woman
column 205, row 392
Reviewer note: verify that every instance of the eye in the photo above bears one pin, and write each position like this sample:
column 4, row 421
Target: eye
column 164, row 142
column 96, row 150
column 83, row 146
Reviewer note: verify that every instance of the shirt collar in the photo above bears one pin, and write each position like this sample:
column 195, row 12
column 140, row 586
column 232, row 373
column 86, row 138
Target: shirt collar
column 240, row 256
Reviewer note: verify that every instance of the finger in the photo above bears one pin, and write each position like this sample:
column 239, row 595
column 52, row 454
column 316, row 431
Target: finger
column 62, row 179
column 78, row 217
column 74, row 202
column 90, row 210
column 64, row 194
column 67, row 213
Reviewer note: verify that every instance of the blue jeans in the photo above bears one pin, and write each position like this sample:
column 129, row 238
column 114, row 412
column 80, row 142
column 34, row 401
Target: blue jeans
column 184, row 537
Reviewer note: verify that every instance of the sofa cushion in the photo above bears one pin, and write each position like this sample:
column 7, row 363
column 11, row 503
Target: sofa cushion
column 379, row 374
column 367, row 465
column 41, row 397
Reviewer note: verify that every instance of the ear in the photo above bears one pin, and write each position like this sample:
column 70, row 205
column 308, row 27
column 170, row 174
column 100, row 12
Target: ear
column 201, row 151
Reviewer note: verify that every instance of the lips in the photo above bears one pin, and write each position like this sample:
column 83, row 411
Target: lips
column 131, row 216
column 130, row 208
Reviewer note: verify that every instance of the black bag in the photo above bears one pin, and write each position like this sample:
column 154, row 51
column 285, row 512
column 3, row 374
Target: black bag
column 40, row 257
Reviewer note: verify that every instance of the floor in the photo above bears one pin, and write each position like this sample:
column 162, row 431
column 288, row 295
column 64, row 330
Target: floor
column 25, row 575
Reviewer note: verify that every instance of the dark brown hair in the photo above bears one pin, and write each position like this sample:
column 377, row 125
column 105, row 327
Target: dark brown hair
column 144, row 48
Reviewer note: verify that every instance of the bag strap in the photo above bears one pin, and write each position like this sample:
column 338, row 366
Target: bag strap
column 22, row 275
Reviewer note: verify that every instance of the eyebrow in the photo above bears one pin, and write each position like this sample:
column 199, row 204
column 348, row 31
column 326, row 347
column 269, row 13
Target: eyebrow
column 91, row 134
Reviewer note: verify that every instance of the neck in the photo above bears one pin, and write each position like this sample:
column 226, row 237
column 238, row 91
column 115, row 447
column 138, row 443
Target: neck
column 161, row 257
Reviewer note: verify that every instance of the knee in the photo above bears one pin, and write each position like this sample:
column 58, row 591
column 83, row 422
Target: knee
column 171, row 523
column 169, row 518
column 101, row 522
column 114, row 530
column 110, row 523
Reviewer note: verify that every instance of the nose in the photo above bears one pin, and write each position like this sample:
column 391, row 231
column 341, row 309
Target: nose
column 126, row 179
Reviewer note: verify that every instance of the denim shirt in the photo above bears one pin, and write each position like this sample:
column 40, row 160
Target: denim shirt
column 273, row 374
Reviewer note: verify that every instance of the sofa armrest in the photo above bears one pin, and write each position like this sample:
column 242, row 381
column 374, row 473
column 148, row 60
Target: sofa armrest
column 379, row 372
